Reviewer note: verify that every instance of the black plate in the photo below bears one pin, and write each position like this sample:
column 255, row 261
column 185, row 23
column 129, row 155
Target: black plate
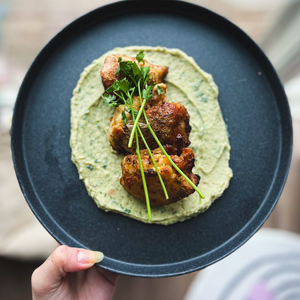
column 254, row 107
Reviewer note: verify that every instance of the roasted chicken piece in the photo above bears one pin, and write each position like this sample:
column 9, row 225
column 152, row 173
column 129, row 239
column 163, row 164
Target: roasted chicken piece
column 177, row 187
column 169, row 121
column 111, row 65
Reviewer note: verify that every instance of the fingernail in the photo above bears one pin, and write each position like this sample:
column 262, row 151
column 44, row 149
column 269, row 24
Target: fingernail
column 89, row 257
column 99, row 256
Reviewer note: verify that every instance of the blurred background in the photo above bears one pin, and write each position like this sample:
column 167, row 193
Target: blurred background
column 25, row 27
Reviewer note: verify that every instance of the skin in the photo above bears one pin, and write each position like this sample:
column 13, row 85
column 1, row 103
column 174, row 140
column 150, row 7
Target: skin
column 69, row 274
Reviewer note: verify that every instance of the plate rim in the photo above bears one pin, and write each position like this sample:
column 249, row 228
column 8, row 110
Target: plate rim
column 164, row 270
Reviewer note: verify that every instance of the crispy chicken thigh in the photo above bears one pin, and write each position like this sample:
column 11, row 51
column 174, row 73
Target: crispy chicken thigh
column 177, row 187
column 108, row 71
column 169, row 121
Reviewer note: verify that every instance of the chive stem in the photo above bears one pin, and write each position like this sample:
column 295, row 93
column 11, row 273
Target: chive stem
column 154, row 164
column 167, row 155
column 149, row 151
column 143, row 177
column 172, row 163
column 136, row 124
column 140, row 162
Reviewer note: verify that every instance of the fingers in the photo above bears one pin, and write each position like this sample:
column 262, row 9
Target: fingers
column 64, row 259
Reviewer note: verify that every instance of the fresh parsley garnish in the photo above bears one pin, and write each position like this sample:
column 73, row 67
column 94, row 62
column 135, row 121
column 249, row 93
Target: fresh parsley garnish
column 134, row 78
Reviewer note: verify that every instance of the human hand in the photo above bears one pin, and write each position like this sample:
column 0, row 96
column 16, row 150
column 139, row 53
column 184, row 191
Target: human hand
column 68, row 274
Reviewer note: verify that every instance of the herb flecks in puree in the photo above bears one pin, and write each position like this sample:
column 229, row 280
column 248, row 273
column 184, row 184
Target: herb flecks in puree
column 187, row 84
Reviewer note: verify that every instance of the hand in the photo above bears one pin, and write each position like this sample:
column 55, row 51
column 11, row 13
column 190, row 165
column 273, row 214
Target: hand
column 68, row 274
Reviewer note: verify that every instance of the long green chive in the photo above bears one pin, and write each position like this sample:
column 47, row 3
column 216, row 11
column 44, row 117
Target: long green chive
column 136, row 121
column 172, row 163
column 143, row 177
column 154, row 164
column 167, row 155
column 141, row 165
column 149, row 151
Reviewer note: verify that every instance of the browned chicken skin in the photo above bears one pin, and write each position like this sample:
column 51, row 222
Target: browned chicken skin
column 169, row 121
column 177, row 187
column 108, row 71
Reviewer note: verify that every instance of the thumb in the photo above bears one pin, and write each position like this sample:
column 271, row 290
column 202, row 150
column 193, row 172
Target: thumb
column 63, row 259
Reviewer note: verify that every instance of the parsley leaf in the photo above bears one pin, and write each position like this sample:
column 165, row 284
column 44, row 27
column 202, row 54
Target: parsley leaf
column 136, row 70
column 124, row 85
column 132, row 111
column 113, row 88
column 110, row 100
column 147, row 93
column 140, row 57
column 145, row 71
column 124, row 119
column 159, row 90
column 124, row 67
